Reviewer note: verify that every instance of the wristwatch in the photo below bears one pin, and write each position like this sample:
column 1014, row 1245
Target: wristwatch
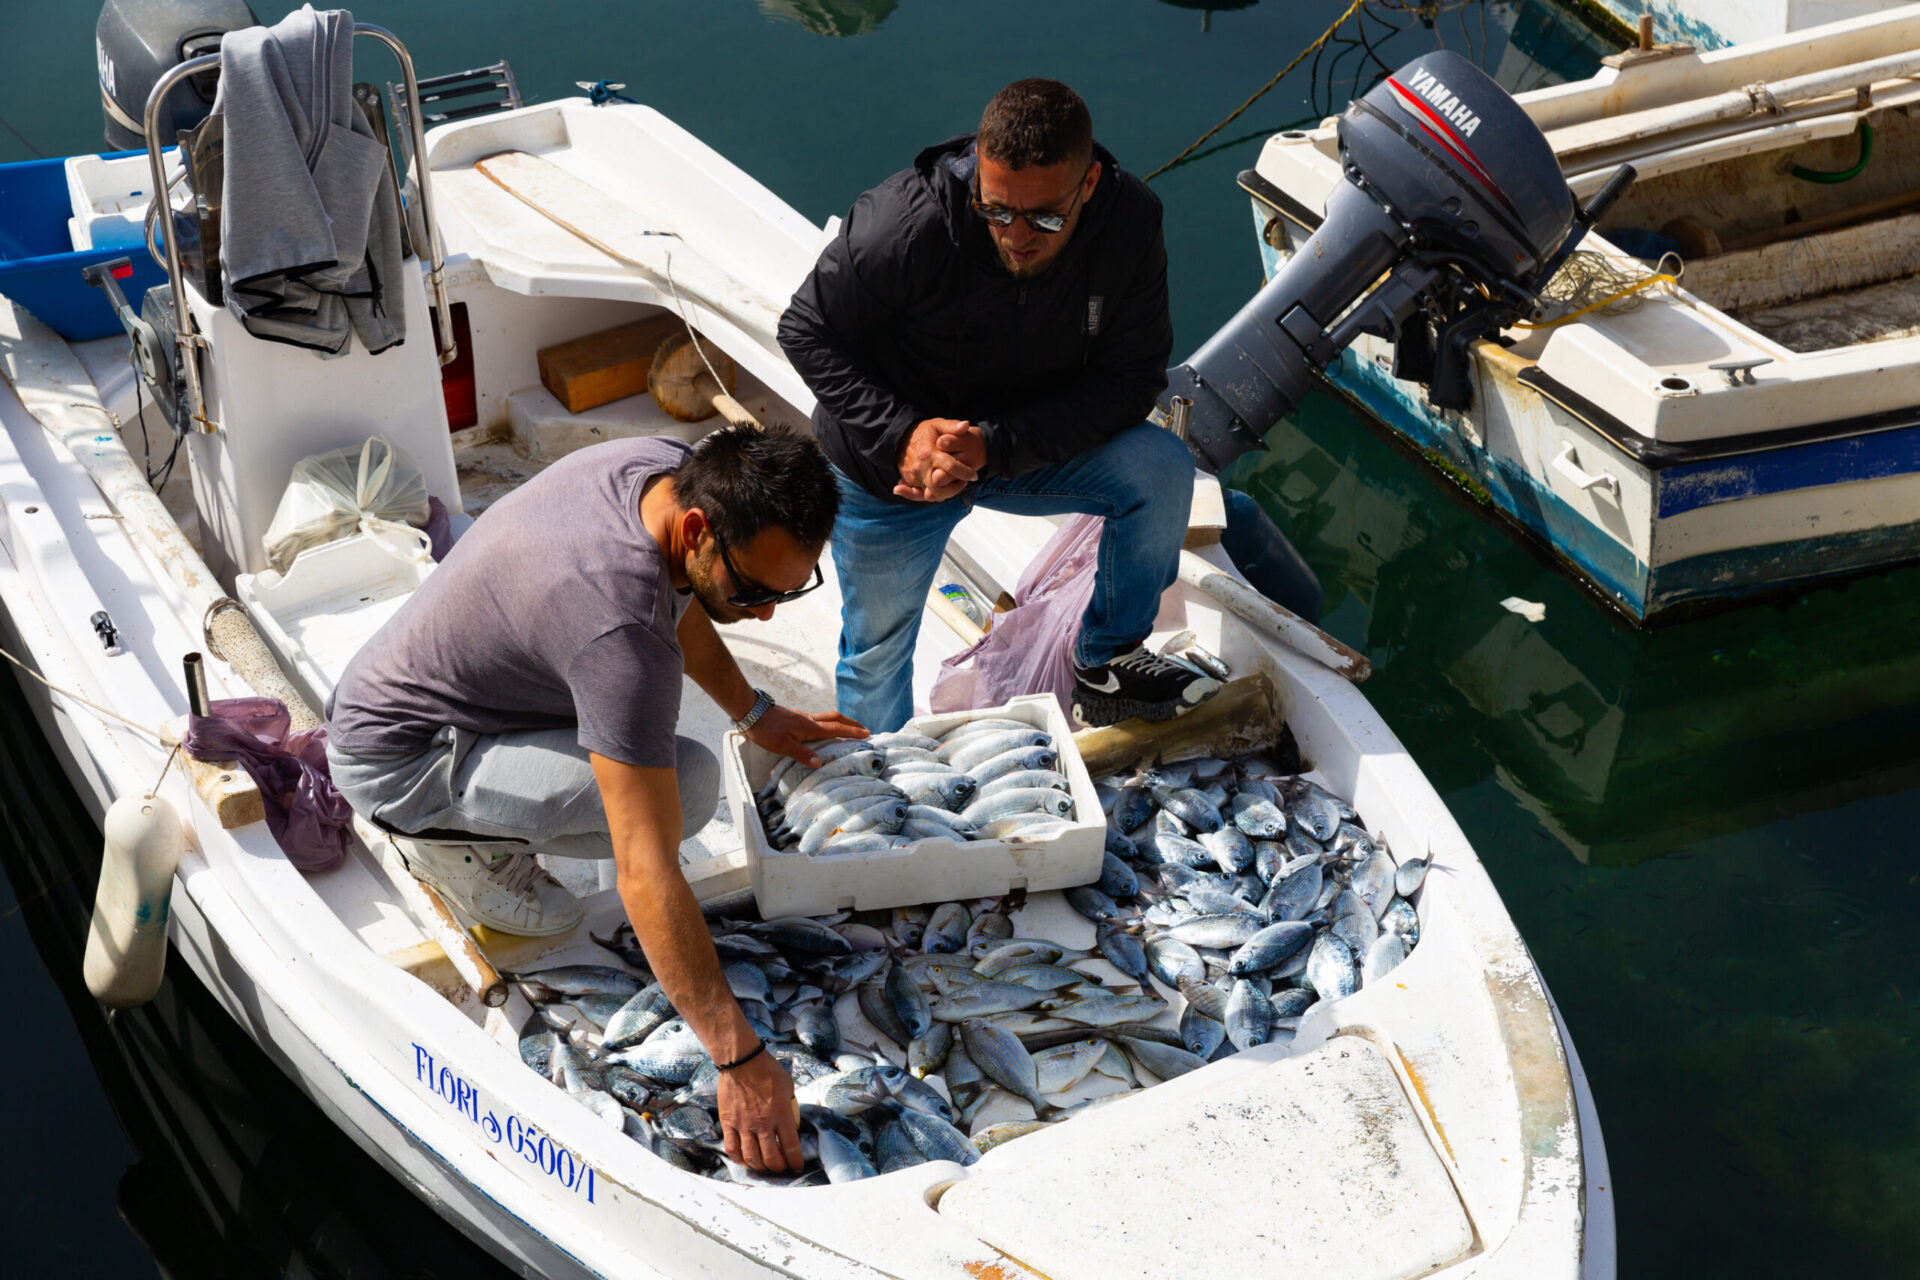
column 762, row 703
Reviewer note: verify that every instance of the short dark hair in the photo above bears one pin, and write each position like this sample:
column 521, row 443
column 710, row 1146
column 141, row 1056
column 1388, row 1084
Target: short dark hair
column 746, row 480
column 1036, row 122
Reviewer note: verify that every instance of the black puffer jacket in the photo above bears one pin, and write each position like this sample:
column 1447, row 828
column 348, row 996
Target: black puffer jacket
column 909, row 314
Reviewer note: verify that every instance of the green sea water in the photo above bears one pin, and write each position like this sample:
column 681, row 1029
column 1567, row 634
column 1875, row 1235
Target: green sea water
column 1705, row 833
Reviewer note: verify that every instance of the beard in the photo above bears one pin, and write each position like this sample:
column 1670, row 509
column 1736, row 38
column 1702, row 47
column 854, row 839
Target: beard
column 1024, row 270
column 702, row 572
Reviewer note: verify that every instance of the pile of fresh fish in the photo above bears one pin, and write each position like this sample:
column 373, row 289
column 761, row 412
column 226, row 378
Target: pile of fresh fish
column 985, row 779
column 938, row 1033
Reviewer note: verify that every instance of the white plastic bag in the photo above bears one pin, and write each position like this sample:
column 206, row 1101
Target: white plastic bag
column 372, row 487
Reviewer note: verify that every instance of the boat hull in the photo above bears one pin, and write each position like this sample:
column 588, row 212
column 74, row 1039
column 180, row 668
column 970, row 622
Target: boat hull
column 1659, row 531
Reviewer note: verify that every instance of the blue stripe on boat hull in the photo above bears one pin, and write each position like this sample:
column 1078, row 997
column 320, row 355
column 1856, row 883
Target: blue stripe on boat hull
column 1689, row 486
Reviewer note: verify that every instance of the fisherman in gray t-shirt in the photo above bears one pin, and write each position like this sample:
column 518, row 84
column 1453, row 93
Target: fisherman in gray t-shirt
column 525, row 699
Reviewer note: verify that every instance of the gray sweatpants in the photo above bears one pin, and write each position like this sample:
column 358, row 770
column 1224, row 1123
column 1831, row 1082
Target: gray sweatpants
column 533, row 789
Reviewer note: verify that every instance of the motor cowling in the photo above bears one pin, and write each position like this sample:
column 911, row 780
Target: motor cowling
column 138, row 41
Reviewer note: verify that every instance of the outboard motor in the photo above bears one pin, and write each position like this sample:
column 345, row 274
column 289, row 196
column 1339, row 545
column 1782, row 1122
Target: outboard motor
column 138, row 41
column 1453, row 215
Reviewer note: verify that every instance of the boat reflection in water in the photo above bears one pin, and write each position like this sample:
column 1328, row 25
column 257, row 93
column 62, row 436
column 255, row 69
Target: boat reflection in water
column 1623, row 745
column 236, row 1173
column 831, row 17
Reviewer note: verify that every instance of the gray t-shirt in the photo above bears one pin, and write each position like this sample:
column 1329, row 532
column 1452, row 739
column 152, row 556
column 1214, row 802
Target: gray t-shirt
column 554, row 609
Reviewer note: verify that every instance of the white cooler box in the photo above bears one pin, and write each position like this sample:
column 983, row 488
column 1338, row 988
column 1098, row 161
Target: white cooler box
column 791, row 883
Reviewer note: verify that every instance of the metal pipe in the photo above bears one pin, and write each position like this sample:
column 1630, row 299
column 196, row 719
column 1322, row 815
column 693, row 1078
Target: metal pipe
column 184, row 332
column 1759, row 98
column 196, row 683
column 1179, row 416
column 437, row 263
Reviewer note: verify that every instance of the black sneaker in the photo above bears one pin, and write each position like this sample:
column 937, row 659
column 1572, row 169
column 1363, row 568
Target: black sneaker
column 1137, row 683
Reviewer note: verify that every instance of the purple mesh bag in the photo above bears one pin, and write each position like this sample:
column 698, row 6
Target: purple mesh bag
column 307, row 815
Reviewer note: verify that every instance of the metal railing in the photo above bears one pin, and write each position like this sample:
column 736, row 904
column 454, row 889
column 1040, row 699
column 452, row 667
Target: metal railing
column 189, row 338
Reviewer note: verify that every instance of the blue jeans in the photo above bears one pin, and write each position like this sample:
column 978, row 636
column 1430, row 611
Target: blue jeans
column 886, row 554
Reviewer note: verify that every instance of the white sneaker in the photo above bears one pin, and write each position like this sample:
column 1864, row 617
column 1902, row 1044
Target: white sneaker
column 510, row 892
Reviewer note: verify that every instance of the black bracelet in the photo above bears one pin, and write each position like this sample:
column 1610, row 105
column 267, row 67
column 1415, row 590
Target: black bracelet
column 759, row 1047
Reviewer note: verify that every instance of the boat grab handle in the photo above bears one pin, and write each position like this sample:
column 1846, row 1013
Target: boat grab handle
column 189, row 338
column 1568, row 465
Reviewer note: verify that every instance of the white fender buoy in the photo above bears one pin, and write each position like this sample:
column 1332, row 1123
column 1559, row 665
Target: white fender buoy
column 127, row 944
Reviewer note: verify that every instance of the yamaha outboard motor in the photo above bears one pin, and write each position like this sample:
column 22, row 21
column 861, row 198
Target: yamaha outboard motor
column 138, row 41
column 1453, row 214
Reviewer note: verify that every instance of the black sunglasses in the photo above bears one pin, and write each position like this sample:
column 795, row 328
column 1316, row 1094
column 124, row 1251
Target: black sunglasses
column 750, row 594
column 1046, row 223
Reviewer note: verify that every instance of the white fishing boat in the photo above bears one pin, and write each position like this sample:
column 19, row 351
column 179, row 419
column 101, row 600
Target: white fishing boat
column 1715, row 24
column 1747, row 429
column 1434, row 1124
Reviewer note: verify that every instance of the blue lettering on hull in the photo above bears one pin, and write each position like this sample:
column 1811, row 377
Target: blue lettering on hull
column 519, row 1136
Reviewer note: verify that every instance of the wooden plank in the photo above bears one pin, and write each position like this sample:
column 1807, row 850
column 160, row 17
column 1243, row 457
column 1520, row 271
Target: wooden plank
column 222, row 785
column 585, row 373
column 1244, row 716
column 1207, row 519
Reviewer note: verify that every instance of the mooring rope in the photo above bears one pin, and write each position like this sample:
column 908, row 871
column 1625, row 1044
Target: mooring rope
column 1259, row 93
column 94, row 707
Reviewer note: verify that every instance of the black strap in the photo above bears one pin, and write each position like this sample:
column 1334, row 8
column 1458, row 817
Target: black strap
column 759, row 1047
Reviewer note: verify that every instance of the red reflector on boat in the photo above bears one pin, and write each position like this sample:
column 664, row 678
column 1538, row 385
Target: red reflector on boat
column 122, row 271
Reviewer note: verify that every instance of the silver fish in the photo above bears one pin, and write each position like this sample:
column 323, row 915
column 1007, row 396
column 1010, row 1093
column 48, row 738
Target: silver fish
column 1258, row 817
column 1269, row 948
column 1220, row 931
column 1189, row 806
column 851, row 1092
column 1178, row 849
column 1354, row 922
column 1230, row 848
column 1295, row 894
column 1373, row 881
column 578, row 980
column 1063, row 1066
column 1102, row 1010
column 950, row 791
column 946, row 930
column 893, row 1150
column 1004, row 1060
column 1317, row 812
column 1172, row 960
column 909, row 1003
column 638, row 1018
column 843, row 1161
column 1330, row 968
column 1201, row 1034
column 1249, row 1015
column 936, row 1138
column 1117, row 879
column 877, row 1006
column 1408, row 878
column 1021, row 760
column 1387, row 951
column 798, row 935
column 969, row 752
column 1024, row 779
column 1092, row 903
column 1162, row 1062
column 1006, row 804
column 930, row 1052
column 1402, row 919
column 985, row 998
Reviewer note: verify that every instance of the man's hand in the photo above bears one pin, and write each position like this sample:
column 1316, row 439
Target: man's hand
column 759, row 1118
column 940, row 458
column 787, row 732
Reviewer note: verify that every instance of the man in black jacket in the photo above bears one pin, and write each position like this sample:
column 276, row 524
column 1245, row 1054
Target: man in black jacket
column 991, row 327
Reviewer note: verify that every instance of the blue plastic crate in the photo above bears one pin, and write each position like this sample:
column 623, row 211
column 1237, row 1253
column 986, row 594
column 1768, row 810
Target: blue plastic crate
column 39, row 269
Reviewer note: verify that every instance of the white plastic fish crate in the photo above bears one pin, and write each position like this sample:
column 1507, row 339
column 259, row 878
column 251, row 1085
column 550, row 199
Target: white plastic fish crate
column 789, row 883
